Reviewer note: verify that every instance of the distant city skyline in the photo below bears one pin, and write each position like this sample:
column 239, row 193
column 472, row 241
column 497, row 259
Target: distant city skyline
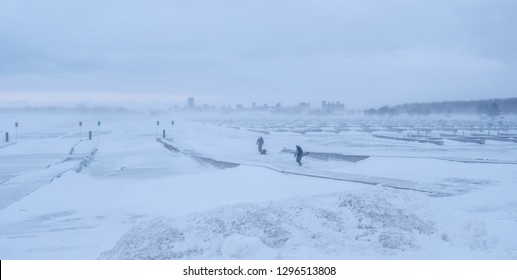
column 363, row 53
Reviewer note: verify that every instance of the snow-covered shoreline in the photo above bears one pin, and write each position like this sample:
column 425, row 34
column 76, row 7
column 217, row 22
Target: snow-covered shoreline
column 136, row 199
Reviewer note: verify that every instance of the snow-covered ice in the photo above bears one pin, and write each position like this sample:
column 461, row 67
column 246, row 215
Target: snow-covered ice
column 204, row 191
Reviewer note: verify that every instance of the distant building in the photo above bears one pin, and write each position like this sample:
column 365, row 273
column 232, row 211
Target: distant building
column 304, row 105
column 256, row 107
column 191, row 103
column 332, row 106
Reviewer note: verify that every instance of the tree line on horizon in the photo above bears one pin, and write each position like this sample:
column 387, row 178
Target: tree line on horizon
column 488, row 107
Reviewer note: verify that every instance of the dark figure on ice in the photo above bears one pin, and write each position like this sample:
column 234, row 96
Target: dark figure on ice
column 298, row 155
column 260, row 143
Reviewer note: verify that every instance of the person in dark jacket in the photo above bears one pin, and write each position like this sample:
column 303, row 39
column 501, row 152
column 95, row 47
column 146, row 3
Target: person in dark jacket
column 298, row 155
column 260, row 143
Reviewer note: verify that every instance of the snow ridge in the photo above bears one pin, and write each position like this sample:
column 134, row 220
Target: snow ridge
column 343, row 225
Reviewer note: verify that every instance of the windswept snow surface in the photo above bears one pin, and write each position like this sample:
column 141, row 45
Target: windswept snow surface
column 204, row 191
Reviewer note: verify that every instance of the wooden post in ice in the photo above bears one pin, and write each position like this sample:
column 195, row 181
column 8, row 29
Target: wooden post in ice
column 98, row 129
column 16, row 135
column 163, row 133
column 80, row 130
column 7, row 137
column 90, row 135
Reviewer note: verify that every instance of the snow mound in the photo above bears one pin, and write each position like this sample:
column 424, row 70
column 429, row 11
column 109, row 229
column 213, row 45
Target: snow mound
column 344, row 225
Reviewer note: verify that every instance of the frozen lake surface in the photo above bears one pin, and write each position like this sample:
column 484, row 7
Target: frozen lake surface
column 205, row 192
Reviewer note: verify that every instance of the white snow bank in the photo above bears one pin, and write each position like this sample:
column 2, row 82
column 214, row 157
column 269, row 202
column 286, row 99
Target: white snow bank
column 16, row 187
column 359, row 225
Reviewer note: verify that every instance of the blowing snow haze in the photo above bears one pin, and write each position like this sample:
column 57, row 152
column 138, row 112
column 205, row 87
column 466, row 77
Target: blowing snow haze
column 362, row 53
column 107, row 150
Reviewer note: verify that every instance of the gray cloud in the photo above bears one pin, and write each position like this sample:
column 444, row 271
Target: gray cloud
column 360, row 52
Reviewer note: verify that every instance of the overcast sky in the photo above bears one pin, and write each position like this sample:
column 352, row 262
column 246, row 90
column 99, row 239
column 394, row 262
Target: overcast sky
column 361, row 52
